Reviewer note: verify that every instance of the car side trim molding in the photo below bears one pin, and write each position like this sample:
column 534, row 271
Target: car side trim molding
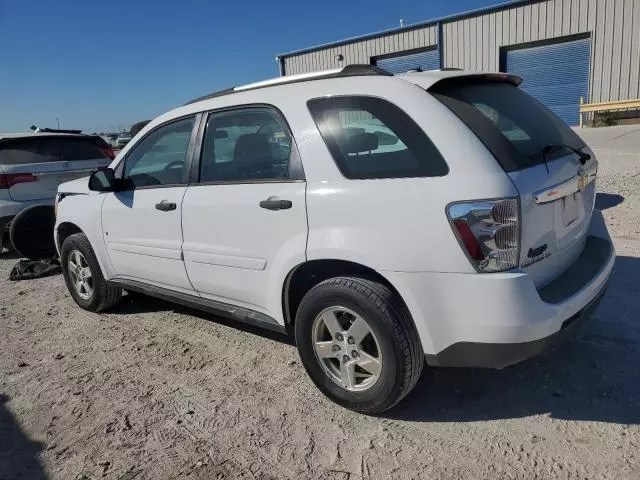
column 233, row 312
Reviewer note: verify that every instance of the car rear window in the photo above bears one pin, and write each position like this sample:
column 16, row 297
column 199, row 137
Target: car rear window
column 371, row 138
column 512, row 124
column 49, row 149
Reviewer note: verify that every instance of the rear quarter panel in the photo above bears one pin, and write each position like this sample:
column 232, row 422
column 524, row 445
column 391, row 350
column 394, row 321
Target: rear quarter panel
column 395, row 224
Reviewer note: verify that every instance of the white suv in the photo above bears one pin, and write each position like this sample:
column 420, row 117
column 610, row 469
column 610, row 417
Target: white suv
column 385, row 220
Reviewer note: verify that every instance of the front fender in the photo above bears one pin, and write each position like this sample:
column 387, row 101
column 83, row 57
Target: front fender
column 85, row 213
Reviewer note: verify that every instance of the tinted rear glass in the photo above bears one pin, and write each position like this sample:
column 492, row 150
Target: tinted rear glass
column 49, row 149
column 513, row 125
column 372, row 138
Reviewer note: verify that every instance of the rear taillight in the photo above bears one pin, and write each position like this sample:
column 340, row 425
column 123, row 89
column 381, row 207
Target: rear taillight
column 489, row 232
column 108, row 151
column 8, row 180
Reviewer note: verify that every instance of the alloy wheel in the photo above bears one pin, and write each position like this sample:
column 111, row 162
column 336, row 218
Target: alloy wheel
column 80, row 274
column 347, row 348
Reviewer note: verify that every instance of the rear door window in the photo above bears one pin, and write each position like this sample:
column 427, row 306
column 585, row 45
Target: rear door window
column 512, row 124
column 371, row 138
column 49, row 149
column 246, row 145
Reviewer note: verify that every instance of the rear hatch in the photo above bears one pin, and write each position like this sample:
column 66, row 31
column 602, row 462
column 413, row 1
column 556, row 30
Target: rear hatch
column 550, row 166
column 31, row 168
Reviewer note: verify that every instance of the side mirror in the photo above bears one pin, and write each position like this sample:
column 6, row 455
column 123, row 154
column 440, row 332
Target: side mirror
column 103, row 180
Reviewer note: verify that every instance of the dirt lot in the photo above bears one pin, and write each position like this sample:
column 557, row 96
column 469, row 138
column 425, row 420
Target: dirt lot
column 152, row 391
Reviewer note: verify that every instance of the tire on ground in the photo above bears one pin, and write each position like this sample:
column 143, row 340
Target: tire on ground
column 104, row 295
column 388, row 318
column 31, row 232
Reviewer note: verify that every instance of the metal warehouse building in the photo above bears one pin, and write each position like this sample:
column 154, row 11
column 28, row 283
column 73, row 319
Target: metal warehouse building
column 564, row 49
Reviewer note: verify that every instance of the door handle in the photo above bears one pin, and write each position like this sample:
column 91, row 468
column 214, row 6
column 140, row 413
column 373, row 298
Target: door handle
column 165, row 206
column 272, row 203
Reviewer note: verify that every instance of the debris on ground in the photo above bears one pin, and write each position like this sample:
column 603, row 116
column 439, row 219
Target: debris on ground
column 30, row 269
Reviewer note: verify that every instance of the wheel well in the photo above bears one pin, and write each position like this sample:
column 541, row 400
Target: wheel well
column 65, row 230
column 307, row 275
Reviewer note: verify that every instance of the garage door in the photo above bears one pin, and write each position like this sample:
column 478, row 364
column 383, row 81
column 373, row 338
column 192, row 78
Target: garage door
column 557, row 75
column 429, row 60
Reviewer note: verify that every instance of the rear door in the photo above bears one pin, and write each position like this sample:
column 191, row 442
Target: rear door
column 35, row 166
column 546, row 161
column 244, row 216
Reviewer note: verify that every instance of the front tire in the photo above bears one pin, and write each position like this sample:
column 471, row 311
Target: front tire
column 83, row 275
column 358, row 343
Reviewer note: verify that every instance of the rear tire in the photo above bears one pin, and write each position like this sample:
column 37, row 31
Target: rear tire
column 387, row 347
column 31, row 232
column 83, row 275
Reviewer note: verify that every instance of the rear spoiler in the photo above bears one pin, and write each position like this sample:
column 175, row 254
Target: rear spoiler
column 479, row 78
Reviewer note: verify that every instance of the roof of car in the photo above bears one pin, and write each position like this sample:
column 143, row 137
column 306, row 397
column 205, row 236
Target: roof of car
column 280, row 86
column 425, row 79
column 4, row 136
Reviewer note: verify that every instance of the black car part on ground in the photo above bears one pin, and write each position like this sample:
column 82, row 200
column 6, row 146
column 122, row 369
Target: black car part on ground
column 31, row 232
column 28, row 269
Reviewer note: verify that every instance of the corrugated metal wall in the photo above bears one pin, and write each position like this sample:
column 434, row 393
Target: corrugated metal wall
column 361, row 51
column 614, row 25
column 473, row 43
column 557, row 74
column 429, row 60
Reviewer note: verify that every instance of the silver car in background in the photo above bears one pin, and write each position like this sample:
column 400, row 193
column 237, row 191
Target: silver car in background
column 33, row 164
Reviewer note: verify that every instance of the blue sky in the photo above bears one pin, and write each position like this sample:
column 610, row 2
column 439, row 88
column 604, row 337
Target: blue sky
column 102, row 65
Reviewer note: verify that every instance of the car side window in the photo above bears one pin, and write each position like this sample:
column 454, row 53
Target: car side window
column 371, row 138
column 246, row 144
column 160, row 158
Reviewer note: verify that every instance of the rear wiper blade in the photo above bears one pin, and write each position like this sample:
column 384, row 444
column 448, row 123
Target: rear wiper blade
column 554, row 147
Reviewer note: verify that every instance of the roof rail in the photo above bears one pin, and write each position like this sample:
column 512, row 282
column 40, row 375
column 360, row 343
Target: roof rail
column 348, row 71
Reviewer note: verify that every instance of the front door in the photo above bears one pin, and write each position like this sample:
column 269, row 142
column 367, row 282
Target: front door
column 142, row 223
column 244, row 221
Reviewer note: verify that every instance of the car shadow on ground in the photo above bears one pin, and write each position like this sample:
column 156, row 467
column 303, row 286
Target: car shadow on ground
column 136, row 303
column 19, row 456
column 608, row 200
column 593, row 375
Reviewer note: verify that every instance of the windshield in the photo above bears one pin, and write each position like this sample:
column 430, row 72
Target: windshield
column 513, row 125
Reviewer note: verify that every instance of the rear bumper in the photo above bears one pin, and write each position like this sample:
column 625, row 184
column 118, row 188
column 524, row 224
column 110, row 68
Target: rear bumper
column 501, row 355
column 10, row 208
column 495, row 320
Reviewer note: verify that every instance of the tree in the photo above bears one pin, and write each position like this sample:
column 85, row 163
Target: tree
column 136, row 127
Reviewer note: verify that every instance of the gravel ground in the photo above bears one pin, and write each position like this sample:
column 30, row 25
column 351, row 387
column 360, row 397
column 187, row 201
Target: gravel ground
column 153, row 391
